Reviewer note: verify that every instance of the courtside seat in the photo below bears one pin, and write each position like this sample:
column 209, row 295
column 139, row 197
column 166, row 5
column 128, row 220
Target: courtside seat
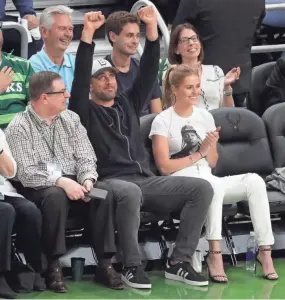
column 274, row 120
column 244, row 148
column 243, row 145
column 275, row 124
column 258, row 97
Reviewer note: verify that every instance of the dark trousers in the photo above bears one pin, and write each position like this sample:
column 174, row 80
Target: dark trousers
column 191, row 197
column 25, row 218
column 173, row 6
column 240, row 99
column 54, row 205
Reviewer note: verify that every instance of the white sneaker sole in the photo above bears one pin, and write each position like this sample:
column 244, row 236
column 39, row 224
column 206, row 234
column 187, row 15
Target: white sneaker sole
column 190, row 282
column 135, row 285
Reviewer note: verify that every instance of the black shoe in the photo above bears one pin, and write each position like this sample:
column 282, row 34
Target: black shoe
column 136, row 277
column 184, row 272
column 39, row 284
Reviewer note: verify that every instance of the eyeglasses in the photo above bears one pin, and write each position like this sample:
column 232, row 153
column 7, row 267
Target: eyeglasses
column 57, row 93
column 186, row 41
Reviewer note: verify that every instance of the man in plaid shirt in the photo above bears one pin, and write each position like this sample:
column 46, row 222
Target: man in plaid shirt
column 56, row 169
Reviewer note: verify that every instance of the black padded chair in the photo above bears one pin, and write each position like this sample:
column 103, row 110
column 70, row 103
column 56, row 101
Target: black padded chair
column 243, row 145
column 258, row 98
column 275, row 124
column 274, row 119
column 244, row 148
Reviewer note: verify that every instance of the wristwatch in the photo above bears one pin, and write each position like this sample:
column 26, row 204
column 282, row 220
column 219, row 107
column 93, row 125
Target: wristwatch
column 228, row 92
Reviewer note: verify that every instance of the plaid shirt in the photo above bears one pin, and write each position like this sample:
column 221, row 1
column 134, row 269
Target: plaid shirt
column 34, row 143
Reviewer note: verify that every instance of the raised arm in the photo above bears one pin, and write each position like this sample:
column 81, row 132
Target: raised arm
column 24, row 7
column 149, row 64
column 79, row 100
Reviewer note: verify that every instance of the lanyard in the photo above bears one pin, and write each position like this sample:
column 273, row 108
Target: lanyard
column 50, row 145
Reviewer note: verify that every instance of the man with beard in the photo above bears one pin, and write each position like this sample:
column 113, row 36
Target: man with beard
column 15, row 73
column 113, row 126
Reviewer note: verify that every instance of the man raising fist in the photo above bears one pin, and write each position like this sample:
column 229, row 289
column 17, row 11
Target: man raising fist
column 113, row 126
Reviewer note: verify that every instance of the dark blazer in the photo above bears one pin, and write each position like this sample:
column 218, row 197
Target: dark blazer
column 226, row 29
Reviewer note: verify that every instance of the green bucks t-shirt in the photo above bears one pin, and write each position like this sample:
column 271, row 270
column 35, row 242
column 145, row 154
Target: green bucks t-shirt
column 16, row 97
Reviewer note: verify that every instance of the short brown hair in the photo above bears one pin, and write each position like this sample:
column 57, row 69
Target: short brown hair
column 174, row 39
column 117, row 20
column 175, row 76
column 42, row 82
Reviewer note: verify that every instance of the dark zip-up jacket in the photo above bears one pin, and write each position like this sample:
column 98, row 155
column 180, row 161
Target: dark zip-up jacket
column 115, row 131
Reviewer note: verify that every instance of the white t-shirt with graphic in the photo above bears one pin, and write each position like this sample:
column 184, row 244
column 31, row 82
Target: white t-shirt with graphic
column 184, row 135
column 212, row 86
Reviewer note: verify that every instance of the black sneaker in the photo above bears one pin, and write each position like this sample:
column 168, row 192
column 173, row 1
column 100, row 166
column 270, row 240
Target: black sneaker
column 184, row 272
column 136, row 277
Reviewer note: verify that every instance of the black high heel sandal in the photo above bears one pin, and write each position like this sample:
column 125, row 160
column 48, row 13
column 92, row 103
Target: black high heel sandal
column 267, row 276
column 213, row 278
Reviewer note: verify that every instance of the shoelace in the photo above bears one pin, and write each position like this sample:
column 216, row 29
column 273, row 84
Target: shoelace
column 188, row 267
column 138, row 272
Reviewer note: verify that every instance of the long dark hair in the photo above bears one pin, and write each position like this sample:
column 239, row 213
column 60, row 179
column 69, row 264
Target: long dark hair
column 174, row 40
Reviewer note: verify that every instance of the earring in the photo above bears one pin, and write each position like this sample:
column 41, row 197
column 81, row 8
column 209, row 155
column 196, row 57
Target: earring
column 173, row 98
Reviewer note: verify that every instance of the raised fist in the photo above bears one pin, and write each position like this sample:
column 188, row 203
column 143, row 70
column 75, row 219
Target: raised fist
column 93, row 20
column 148, row 15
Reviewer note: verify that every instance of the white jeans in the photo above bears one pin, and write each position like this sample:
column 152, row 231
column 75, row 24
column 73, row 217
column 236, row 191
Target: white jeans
column 230, row 190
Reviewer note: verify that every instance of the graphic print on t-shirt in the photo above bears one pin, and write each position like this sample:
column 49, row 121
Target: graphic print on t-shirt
column 191, row 142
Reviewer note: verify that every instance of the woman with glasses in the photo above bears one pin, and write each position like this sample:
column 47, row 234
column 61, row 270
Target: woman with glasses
column 186, row 48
